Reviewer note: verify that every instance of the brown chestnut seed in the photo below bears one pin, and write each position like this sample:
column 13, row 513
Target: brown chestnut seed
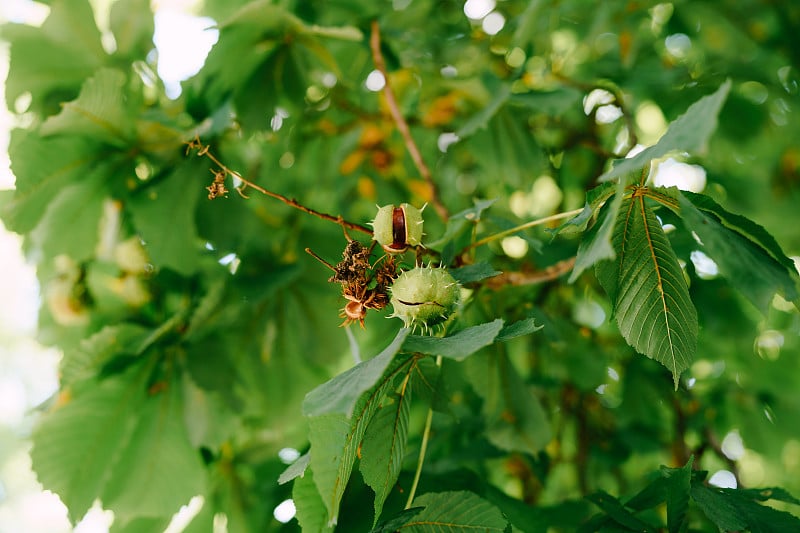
column 398, row 229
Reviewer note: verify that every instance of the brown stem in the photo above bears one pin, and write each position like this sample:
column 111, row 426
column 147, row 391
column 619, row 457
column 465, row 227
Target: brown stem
column 402, row 125
column 680, row 451
column 712, row 441
column 202, row 150
column 550, row 273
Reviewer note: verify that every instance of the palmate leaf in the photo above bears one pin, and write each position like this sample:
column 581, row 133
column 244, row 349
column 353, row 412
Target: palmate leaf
column 647, row 289
column 114, row 441
column 595, row 198
column 336, row 437
column 518, row 329
column 689, row 132
column 454, row 512
column 296, row 469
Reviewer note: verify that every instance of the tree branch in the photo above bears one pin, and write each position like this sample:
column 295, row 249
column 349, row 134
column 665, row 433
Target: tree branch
column 402, row 125
column 217, row 188
column 550, row 273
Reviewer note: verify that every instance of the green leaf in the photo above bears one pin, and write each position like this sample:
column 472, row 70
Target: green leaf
column 515, row 419
column 454, row 512
column 740, row 225
column 44, row 168
column 103, row 111
column 275, row 49
column 596, row 244
column 76, row 445
column 505, row 148
column 79, row 207
column 525, row 30
column 335, row 439
column 252, row 35
column 132, row 24
column 646, row 286
column 480, row 120
column 689, row 132
column 459, row 221
column 112, row 341
column 741, row 248
column 618, row 513
column 595, row 198
column 458, row 346
column 678, row 487
column 518, row 329
column 473, row 273
column 140, row 525
column 54, row 60
column 555, row 102
column 769, row 493
column 311, row 512
column 157, row 470
column 733, row 510
column 164, row 216
column 340, row 394
column 383, row 447
column 397, row 521
column 296, row 469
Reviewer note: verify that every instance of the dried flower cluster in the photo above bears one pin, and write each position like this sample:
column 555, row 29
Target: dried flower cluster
column 364, row 286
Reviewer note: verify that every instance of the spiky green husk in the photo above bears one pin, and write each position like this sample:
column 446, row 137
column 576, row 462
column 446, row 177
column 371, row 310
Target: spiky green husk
column 424, row 297
column 382, row 227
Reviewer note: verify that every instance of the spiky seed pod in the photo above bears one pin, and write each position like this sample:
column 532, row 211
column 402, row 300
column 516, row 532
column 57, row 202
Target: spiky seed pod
column 397, row 228
column 424, row 296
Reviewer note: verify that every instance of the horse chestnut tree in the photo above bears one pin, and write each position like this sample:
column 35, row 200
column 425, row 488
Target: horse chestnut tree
column 583, row 336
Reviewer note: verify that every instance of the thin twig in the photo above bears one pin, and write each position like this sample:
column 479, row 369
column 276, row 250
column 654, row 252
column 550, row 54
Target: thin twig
column 619, row 100
column 402, row 125
column 516, row 229
column 203, row 150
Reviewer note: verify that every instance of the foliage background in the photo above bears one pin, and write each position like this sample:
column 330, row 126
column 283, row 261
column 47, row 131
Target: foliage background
column 220, row 325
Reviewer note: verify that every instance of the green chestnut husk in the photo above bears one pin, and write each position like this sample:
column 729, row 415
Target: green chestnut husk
column 424, row 297
column 397, row 228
